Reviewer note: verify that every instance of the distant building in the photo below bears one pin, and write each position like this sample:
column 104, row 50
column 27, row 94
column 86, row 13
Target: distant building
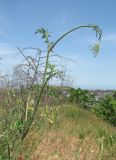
column 99, row 94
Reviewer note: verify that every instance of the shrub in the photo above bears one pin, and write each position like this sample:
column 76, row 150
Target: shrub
column 83, row 97
column 107, row 109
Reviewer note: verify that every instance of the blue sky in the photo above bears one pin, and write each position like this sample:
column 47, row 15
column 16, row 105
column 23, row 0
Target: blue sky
column 19, row 19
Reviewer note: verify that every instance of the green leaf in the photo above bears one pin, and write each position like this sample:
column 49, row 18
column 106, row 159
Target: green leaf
column 95, row 49
column 45, row 34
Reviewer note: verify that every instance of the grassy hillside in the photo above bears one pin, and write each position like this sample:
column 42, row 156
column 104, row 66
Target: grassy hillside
column 69, row 133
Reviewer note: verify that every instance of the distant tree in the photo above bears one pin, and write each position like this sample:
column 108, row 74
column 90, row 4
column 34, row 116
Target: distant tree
column 81, row 96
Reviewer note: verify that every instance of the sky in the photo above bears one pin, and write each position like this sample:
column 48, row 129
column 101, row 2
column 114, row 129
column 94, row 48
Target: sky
column 19, row 19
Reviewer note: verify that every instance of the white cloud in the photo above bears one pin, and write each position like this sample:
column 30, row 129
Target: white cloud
column 61, row 21
column 62, row 18
column 3, row 27
column 3, row 33
column 3, row 21
column 8, row 55
column 110, row 38
column 6, row 50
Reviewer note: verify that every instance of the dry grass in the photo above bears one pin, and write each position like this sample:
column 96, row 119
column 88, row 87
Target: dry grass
column 58, row 146
column 55, row 145
column 78, row 136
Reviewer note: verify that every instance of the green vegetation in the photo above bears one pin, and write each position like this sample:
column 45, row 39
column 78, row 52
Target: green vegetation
column 83, row 97
column 106, row 109
column 69, row 132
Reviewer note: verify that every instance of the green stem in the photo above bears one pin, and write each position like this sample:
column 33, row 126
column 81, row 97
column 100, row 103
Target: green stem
column 50, row 48
column 97, row 30
column 72, row 30
column 36, row 107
